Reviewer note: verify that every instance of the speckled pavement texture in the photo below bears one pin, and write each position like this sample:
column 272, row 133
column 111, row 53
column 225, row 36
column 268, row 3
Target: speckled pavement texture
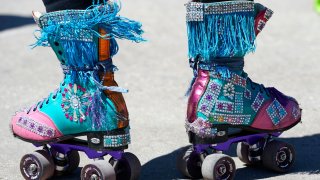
column 157, row 75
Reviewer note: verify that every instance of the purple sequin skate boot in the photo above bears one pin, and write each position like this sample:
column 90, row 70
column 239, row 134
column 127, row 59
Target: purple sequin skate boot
column 225, row 106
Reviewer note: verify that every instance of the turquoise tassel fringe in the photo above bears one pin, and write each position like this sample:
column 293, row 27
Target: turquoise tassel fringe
column 225, row 35
column 83, row 26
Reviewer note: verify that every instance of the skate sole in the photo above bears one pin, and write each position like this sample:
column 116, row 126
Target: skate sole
column 223, row 136
column 73, row 139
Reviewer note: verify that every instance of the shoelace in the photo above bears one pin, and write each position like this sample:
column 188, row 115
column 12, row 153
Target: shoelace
column 103, row 66
column 39, row 104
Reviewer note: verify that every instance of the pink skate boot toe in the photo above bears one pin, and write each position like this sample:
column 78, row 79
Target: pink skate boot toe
column 34, row 126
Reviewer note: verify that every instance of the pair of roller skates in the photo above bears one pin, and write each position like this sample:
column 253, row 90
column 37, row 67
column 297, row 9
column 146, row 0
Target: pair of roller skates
column 225, row 106
column 88, row 103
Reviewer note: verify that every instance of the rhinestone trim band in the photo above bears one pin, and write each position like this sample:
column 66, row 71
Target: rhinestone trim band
column 202, row 128
column 196, row 10
column 66, row 17
column 117, row 140
column 230, row 119
column 35, row 127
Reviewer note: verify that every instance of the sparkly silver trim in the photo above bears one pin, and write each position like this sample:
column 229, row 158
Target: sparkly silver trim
column 35, row 127
column 235, row 78
column 276, row 112
column 261, row 25
column 230, row 119
column 196, row 11
column 117, row 140
column 209, row 98
column 296, row 112
column 268, row 14
column 257, row 103
column 72, row 17
column 201, row 128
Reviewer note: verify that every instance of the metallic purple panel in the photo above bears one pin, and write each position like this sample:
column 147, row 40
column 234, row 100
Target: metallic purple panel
column 197, row 91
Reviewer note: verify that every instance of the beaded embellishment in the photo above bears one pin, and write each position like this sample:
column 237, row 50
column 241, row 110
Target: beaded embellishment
column 261, row 25
column 196, row 11
column 296, row 113
column 228, row 90
column 36, row 127
column 257, row 102
column 238, row 103
column 235, row 78
column 209, row 98
column 268, row 14
column 117, row 140
column 276, row 112
column 247, row 94
column 61, row 17
column 230, row 119
column 202, row 128
column 75, row 102
column 224, row 106
column 66, row 18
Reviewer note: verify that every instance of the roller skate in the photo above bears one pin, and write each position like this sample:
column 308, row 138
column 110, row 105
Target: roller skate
column 225, row 106
column 87, row 112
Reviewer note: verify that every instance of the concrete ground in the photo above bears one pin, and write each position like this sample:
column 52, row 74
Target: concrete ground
column 157, row 75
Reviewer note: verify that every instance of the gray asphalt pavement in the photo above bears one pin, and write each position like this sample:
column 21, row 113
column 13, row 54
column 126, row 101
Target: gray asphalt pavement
column 157, row 75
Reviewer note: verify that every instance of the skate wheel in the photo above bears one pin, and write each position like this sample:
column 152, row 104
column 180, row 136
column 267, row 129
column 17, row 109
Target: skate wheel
column 278, row 156
column 218, row 166
column 37, row 165
column 66, row 163
column 189, row 163
column 99, row 170
column 243, row 152
column 128, row 167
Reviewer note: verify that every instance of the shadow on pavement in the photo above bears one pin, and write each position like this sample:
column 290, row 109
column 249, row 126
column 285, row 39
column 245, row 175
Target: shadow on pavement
column 12, row 21
column 307, row 162
column 164, row 167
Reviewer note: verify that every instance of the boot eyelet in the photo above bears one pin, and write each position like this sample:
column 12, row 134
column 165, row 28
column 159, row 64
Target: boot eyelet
column 56, row 43
column 60, row 52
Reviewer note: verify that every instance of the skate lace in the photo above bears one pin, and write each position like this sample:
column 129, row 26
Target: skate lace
column 103, row 66
column 39, row 104
column 261, row 87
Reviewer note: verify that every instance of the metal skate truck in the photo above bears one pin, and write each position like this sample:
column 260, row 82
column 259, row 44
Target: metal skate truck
column 88, row 101
column 225, row 106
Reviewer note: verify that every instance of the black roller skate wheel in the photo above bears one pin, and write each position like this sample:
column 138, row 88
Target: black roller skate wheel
column 243, row 152
column 189, row 163
column 127, row 168
column 218, row 166
column 278, row 156
column 99, row 170
column 37, row 165
column 66, row 163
